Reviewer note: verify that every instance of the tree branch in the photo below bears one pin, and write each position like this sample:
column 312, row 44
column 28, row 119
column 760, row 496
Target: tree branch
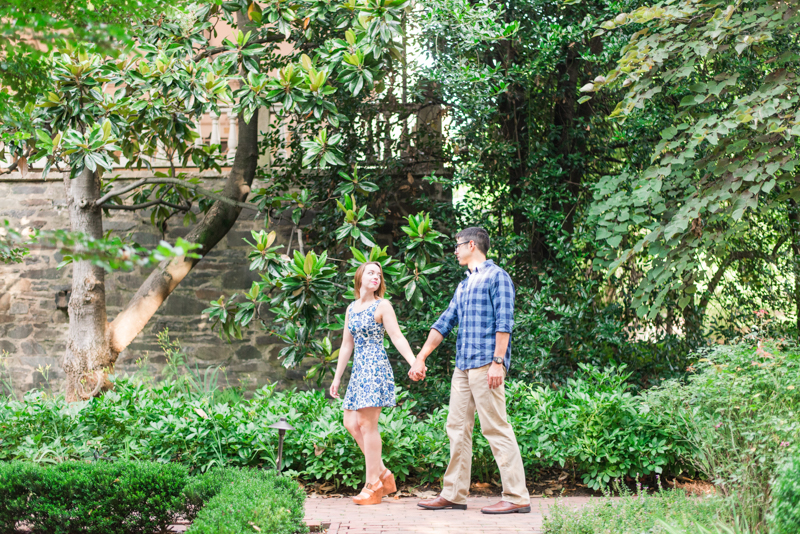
column 271, row 38
column 175, row 181
column 216, row 223
column 145, row 205
column 15, row 164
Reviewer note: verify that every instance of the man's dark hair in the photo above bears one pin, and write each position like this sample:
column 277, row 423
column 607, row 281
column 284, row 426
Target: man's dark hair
column 476, row 234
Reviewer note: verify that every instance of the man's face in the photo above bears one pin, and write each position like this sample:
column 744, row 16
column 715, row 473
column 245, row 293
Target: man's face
column 464, row 249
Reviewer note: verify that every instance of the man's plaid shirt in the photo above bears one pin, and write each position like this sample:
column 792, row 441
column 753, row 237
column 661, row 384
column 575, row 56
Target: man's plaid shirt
column 482, row 306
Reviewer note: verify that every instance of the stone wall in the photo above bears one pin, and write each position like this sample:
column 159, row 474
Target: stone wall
column 33, row 329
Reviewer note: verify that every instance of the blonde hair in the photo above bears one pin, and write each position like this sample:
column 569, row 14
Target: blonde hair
column 360, row 273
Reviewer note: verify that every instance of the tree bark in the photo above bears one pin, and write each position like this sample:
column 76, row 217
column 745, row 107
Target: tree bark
column 87, row 359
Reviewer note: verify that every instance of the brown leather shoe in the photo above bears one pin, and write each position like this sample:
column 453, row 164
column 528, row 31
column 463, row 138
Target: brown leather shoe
column 440, row 503
column 505, row 507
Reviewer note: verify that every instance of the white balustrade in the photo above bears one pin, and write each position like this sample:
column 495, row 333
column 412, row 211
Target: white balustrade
column 233, row 133
column 215, row 134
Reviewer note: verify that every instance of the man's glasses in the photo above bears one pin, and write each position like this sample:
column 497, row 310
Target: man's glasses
column 459, row 244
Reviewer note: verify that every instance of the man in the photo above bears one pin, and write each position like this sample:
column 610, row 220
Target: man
column 483, row 309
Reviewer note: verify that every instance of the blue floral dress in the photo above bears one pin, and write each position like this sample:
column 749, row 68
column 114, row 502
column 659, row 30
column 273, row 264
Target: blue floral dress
column 372, row 381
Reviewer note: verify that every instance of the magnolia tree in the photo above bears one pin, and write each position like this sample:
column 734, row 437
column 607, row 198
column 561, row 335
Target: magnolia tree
column 147, row 100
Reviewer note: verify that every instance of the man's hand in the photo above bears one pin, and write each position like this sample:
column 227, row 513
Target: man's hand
column 496, row 375
column 417, row 371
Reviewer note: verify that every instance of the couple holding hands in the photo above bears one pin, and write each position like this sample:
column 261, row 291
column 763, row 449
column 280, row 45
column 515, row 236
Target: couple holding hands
column 483, row 309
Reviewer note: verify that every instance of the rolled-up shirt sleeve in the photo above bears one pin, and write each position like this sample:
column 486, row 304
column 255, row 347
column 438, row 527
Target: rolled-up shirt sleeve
column 502, row 292
column 448, row 320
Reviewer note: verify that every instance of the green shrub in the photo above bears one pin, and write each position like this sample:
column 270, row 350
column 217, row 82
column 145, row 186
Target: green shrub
column 663, row 512
column 248, row 501
column 145, row 498
column 592, row 425
column 739, row 412
column 785, row 515
column 124, row 497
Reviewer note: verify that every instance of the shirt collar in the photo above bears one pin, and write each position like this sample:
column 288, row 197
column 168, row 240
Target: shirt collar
column 482, row 267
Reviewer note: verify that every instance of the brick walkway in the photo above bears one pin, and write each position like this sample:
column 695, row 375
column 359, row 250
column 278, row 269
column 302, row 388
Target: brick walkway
column 402, row 516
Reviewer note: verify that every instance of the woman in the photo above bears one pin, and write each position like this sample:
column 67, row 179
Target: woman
column 371, row 384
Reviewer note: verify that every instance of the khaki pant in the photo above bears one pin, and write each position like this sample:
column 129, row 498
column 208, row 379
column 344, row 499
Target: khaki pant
column 470, row 390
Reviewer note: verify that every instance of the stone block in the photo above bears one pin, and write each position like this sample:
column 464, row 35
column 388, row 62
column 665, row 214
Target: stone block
column 44, row 274
column 210, row 353
column 32, row 348
column 248, row 352
column 240, row 277
column 180, row 305
column 118, row 225
column 268, row 340
column 28, row 190
column 7, row 346
column 204, row 294
column 146, row 239
column 19, row 331
column 19, row 308
column 23, row 285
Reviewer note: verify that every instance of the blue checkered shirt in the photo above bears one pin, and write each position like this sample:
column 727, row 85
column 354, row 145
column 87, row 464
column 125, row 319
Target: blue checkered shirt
column 482, row 306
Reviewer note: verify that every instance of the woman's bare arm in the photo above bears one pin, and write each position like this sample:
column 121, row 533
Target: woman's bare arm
column 389, row 319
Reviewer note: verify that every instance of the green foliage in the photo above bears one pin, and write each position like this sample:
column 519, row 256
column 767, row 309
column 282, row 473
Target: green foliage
column 662, row 512
column 738, row 414
column 785, row 512
column 122, row 497
column 145, row 497
column 110, row 253
column 243, row 501
column 725, row 162
column 591, row 426
column 594, row 426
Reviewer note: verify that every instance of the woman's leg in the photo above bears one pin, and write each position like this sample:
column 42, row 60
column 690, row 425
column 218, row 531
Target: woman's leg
column 368, row 424
column 351, row 424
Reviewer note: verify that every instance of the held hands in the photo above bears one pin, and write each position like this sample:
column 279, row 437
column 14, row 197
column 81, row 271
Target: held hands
column 418, row 370
column 335, row 388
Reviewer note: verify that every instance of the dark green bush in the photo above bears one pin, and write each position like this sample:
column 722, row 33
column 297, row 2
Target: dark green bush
column 246, row 501
column 145, row 498
column 122, row 497
column 785, row 516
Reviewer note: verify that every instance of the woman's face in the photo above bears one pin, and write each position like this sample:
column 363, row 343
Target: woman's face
column 371, row 279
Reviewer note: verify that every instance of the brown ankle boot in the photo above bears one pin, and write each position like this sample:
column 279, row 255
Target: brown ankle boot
column 371, row 494
column 387, row 479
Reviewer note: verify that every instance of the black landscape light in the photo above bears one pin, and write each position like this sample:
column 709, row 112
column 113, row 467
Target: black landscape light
column 282, row 427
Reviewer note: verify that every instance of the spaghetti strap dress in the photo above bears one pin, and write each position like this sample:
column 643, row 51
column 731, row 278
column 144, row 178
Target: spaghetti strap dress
column 371, row 381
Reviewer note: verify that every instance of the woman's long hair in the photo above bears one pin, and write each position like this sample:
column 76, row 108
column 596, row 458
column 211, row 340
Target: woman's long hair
column 360, row 272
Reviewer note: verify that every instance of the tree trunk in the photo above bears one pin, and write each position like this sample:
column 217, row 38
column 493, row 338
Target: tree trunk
column 94, row 344
column 87, row 359
column 794, row 223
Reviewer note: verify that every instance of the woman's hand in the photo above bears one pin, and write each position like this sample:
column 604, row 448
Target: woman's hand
column 335, row 388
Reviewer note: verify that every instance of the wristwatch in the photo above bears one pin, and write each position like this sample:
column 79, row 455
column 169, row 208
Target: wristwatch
column 501, row 361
